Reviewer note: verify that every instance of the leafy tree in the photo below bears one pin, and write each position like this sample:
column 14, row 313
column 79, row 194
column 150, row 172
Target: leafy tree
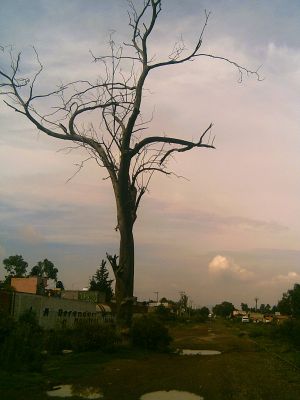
column 117, row 142
column 204, row 311
column 59, row 285
column 163, row 300
column 183, row 303
column 101, row 282
column 290, row 302
column 16, row 266
column 200, row 314
column 265, row 308
column 45, row 269
column 274, row 309
column 244, row 307
column 224, row 309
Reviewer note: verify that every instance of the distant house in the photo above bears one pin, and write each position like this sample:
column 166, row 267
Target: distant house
column 256, row 317
column 238, row 314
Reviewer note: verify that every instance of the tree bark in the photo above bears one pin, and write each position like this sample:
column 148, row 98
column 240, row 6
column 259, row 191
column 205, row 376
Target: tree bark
column 124, row 269
column 125, row 275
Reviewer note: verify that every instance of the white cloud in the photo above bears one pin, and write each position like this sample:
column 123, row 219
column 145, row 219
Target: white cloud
column 289, row 278
column 223, row 266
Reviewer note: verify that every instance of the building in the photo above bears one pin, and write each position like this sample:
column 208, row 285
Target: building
column 31, row 284
column 67, row 310
column 84, row 295
column 54, row 312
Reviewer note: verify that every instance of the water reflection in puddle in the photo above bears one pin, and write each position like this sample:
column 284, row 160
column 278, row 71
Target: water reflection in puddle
column 70, row 391
column 171, row 395
column 188, row 352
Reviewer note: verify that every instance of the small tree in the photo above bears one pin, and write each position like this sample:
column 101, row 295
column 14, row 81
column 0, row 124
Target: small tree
column 60, row 285
column 224, row 309
column 45, row 269
column 16, row 266
column 244, row 307
column 183, row 303
column 101, row 282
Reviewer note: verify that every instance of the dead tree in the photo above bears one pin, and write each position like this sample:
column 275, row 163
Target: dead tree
column 119, row 143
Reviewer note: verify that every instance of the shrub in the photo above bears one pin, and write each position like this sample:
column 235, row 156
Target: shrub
column 290, row 330
column 55, row 341
column 94, row 337
column 164, row 313
column 21, row 347
column 6, row 326
column 149, row 333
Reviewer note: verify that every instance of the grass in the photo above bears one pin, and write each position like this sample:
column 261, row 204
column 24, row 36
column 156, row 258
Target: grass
column 243, row 371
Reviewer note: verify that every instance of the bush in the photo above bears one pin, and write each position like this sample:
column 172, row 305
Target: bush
column 94, row 337
column 164, row 314
column 149, row 333
column 258, row 331
column 6, row 326
column 290, row 330
column 55, row 341
column 21, row 345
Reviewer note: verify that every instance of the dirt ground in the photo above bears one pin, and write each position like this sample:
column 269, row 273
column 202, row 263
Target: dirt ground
column 242, row 371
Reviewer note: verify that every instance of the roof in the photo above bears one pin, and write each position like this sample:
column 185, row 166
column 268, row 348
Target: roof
column 103, row 308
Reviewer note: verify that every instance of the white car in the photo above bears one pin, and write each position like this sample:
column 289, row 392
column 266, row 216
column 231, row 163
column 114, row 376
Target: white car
column 245, row 319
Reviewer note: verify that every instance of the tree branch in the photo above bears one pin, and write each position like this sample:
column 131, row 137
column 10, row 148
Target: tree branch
column 187, row 145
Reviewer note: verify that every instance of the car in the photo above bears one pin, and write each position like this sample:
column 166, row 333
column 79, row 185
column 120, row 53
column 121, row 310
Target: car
column 245, row 319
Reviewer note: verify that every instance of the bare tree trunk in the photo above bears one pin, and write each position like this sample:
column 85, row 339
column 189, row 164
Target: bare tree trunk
column 125, row 275
column 124, row 267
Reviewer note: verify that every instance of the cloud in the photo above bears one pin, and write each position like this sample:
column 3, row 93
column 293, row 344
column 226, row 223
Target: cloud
column 30, row 234
column 224, row 267
column 286, row 279
column 175, row 211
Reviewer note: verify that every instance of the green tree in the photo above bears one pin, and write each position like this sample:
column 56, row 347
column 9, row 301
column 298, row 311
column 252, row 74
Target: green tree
column 224, row 309
column 265, row 309
column 101, row 282
column 45, row 269
column 16, row 266
column 183, row 303
column 200, row 314
column 118, row 141
column 290, row 302
column 204, row 311
column 244, row 307
column 60, row 285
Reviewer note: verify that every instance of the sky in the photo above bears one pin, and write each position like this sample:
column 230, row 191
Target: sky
column 229, row 229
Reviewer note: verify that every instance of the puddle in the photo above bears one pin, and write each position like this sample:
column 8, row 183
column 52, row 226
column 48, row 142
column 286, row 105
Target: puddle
column 187, row 352
column 71, row 390
column 171, row 395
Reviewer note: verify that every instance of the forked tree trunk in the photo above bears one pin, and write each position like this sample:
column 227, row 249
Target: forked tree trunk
column 124, row 268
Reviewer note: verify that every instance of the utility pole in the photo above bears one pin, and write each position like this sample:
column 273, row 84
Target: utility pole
column 256, row 300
